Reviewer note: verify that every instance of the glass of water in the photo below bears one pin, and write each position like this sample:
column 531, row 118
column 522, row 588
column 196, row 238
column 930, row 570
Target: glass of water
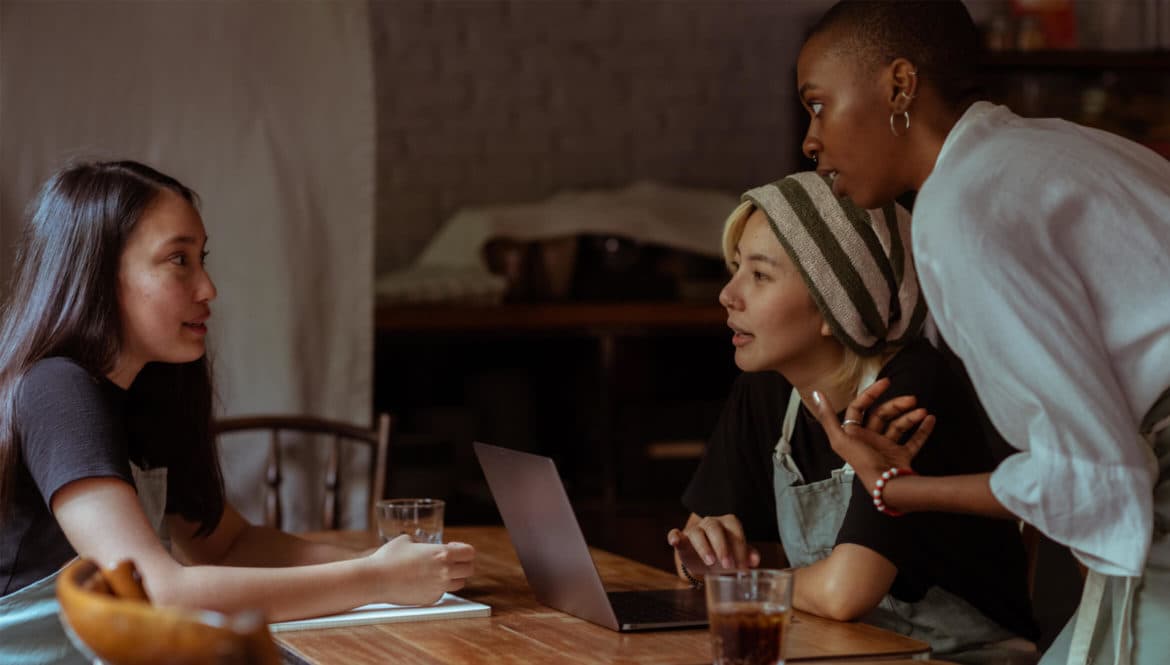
column 421, row 519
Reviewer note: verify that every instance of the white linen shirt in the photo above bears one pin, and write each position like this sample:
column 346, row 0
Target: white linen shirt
column 1043, row 249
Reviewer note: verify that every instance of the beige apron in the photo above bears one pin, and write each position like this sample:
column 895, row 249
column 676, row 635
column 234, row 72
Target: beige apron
column 809, row 515
column 1126, row 620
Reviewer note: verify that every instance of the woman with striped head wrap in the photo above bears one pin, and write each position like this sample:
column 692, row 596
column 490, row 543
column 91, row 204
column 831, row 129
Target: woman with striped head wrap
column 823, row 297
column 853, row 263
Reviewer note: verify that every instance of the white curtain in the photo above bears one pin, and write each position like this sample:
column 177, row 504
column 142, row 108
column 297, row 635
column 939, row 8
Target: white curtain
column 264, row 108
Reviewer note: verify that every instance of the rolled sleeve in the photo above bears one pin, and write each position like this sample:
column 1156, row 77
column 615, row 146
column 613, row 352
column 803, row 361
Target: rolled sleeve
column 1102, row 512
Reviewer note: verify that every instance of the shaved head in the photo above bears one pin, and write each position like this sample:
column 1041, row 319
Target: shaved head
column 938, row 37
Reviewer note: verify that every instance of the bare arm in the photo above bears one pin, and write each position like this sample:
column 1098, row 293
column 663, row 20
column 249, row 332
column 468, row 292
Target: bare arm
column 844, row 586
column 970, row 493
column 102, row 519
column 236, row 542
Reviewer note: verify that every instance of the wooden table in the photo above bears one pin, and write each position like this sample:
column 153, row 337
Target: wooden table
column 521, row 630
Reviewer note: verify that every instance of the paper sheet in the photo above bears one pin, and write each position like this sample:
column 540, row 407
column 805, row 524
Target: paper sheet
column 449, row 606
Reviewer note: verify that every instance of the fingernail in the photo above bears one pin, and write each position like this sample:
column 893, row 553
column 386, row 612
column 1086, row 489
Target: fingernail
column 817, row 397
column 709, row 560
column 728, row 563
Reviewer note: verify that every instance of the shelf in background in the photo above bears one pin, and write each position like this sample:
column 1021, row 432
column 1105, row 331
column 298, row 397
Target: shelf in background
column 1076, row 59
column 521, row 317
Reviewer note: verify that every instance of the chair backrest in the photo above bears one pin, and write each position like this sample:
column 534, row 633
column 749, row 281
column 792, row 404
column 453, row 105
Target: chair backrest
column 110, row 619
column 377, row 439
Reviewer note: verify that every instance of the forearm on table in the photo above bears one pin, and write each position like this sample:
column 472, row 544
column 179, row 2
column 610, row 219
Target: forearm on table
column 268, row 547
column 969, row 494
column 844, row 586
column 281, row 593
column 236, row 542
column 808, row 592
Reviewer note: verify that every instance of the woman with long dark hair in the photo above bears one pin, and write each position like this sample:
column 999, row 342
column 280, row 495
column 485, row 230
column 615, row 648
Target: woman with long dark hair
column 105, row 443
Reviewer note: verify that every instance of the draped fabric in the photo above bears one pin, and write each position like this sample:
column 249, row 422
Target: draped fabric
column 265, row 109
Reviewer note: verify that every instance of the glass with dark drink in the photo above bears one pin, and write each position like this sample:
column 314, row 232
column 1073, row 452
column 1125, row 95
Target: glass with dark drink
column 749, row 611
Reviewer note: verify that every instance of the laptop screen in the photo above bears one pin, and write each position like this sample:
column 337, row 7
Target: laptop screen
column 555, row 558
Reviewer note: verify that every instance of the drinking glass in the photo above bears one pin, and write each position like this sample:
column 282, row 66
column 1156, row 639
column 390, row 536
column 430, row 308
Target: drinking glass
column 749, row 611
column 421, row 519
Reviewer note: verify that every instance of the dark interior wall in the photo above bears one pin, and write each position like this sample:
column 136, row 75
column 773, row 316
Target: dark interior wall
column 501, row 101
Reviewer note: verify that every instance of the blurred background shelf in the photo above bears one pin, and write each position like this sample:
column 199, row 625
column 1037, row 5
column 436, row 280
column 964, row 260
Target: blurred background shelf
column 597, row 386
column 553, row 316
column 1123, row 92
column 1088, row 60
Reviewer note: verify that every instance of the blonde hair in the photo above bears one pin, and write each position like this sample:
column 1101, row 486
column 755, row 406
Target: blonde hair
column 854, row 367
column 733, row 229
column 847, row 377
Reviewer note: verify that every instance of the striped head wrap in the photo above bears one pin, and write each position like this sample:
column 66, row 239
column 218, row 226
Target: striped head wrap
column 856, row 263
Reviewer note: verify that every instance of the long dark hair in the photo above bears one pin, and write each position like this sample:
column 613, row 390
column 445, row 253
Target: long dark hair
column 63, row 301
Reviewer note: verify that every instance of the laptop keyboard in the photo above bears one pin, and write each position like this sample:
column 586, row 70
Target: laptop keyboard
column 658, row 606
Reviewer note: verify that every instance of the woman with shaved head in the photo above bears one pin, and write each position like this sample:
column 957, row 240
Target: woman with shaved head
column 1042, row 248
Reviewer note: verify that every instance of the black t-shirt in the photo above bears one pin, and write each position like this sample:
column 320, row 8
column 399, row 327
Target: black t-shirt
column 71, row 425
column 979, row 559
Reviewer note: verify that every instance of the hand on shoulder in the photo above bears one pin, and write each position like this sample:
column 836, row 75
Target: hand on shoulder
column 868, row 440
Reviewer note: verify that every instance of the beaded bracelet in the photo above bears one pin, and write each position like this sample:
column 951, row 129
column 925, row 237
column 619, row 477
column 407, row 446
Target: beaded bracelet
column 880, row 486
column 695, row 583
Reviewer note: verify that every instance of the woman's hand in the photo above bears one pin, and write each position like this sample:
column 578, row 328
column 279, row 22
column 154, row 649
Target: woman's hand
column 412, row 573
column 712, row 542
column 873, row 447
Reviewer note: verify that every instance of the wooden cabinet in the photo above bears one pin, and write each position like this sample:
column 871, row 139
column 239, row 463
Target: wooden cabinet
column 592, row 385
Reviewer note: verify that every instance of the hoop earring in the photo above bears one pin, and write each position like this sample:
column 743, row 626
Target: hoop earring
column 906, row 116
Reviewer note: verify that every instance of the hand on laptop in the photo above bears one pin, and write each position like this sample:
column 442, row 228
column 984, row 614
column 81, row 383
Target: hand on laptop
column 713, row 542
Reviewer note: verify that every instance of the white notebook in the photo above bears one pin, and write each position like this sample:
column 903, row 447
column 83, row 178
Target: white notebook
column 449, row 606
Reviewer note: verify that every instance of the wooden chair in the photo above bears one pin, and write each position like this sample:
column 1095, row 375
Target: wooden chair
column 376, row 438
column 111, row 620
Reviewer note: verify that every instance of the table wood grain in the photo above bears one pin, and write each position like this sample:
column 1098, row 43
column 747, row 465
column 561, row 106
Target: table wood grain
column 521, row 630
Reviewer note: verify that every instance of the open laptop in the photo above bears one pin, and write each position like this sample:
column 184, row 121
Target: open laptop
column 540, row 521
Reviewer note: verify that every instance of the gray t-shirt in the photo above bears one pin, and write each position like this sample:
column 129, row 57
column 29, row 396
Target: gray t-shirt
column 70, row 425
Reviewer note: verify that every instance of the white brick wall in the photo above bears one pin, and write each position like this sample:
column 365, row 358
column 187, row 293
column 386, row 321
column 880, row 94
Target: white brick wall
column 492, row 101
